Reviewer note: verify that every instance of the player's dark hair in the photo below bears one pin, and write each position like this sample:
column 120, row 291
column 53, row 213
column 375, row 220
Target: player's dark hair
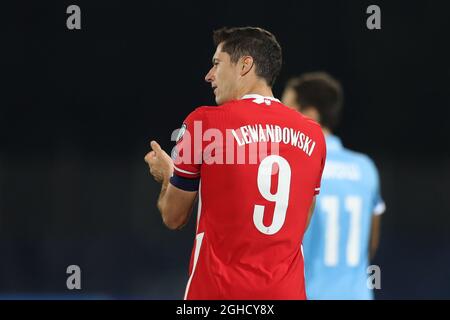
column 258, row 43
column 321, row 91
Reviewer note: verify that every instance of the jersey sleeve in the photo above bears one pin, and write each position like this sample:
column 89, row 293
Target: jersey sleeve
column 187, row 153
column 322, row 166
column 378, row 204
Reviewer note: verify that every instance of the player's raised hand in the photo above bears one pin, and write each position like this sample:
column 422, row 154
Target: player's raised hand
column 159, row 162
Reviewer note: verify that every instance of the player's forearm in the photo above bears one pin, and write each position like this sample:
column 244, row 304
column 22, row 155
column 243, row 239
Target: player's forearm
column 374, row 236
column 164, row 179
column 162, row 201
column 310, row 213
column 374, row 246
column 173, row 216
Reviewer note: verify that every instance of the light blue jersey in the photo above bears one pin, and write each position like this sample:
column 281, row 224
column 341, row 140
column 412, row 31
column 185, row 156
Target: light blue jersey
column 336, row 245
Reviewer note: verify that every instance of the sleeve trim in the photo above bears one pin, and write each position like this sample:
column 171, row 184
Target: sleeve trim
column 379, row 209
column 184, row 171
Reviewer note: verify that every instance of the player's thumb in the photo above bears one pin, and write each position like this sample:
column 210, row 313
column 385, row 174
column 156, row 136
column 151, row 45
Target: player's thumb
column 155, row 146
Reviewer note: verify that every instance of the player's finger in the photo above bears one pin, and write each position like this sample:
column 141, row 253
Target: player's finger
column 149, row 156
column 155, row 146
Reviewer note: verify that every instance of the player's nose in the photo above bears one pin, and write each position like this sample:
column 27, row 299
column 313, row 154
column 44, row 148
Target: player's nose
column 209, row 76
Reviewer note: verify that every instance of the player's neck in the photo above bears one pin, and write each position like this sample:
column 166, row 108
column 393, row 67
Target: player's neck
column 326, row 131
column 258, row 88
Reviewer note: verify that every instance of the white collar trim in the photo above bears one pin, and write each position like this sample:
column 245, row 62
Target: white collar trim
column 259, row 97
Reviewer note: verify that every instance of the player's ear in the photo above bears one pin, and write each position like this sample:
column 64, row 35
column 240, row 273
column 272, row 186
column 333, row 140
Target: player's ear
column 246, row 65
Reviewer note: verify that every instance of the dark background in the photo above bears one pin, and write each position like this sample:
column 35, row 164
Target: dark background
column 78, row 109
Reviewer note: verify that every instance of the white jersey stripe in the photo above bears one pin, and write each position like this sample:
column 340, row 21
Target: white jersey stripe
column 184, row 171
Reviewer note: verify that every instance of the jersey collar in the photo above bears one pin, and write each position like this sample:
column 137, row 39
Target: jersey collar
column 258, row 97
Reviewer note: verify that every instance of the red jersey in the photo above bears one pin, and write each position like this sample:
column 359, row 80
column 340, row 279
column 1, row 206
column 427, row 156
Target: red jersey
column 257, row 165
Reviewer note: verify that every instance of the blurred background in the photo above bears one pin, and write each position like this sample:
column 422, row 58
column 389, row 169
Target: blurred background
column 79, row 108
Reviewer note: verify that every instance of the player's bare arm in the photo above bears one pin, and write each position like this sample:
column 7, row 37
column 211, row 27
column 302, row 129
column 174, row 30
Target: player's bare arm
column 174, row 204
column 375, row 235
column 310, row 213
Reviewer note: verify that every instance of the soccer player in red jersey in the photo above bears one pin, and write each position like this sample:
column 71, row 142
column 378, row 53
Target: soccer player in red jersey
column 255, row 166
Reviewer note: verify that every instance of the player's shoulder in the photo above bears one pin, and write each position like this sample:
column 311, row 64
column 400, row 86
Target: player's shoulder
column 305, row 124
column 199, row 113
column 211, row 111
column 309, row 125
column 310, row 122
column 362, row 159
column 367, row 167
